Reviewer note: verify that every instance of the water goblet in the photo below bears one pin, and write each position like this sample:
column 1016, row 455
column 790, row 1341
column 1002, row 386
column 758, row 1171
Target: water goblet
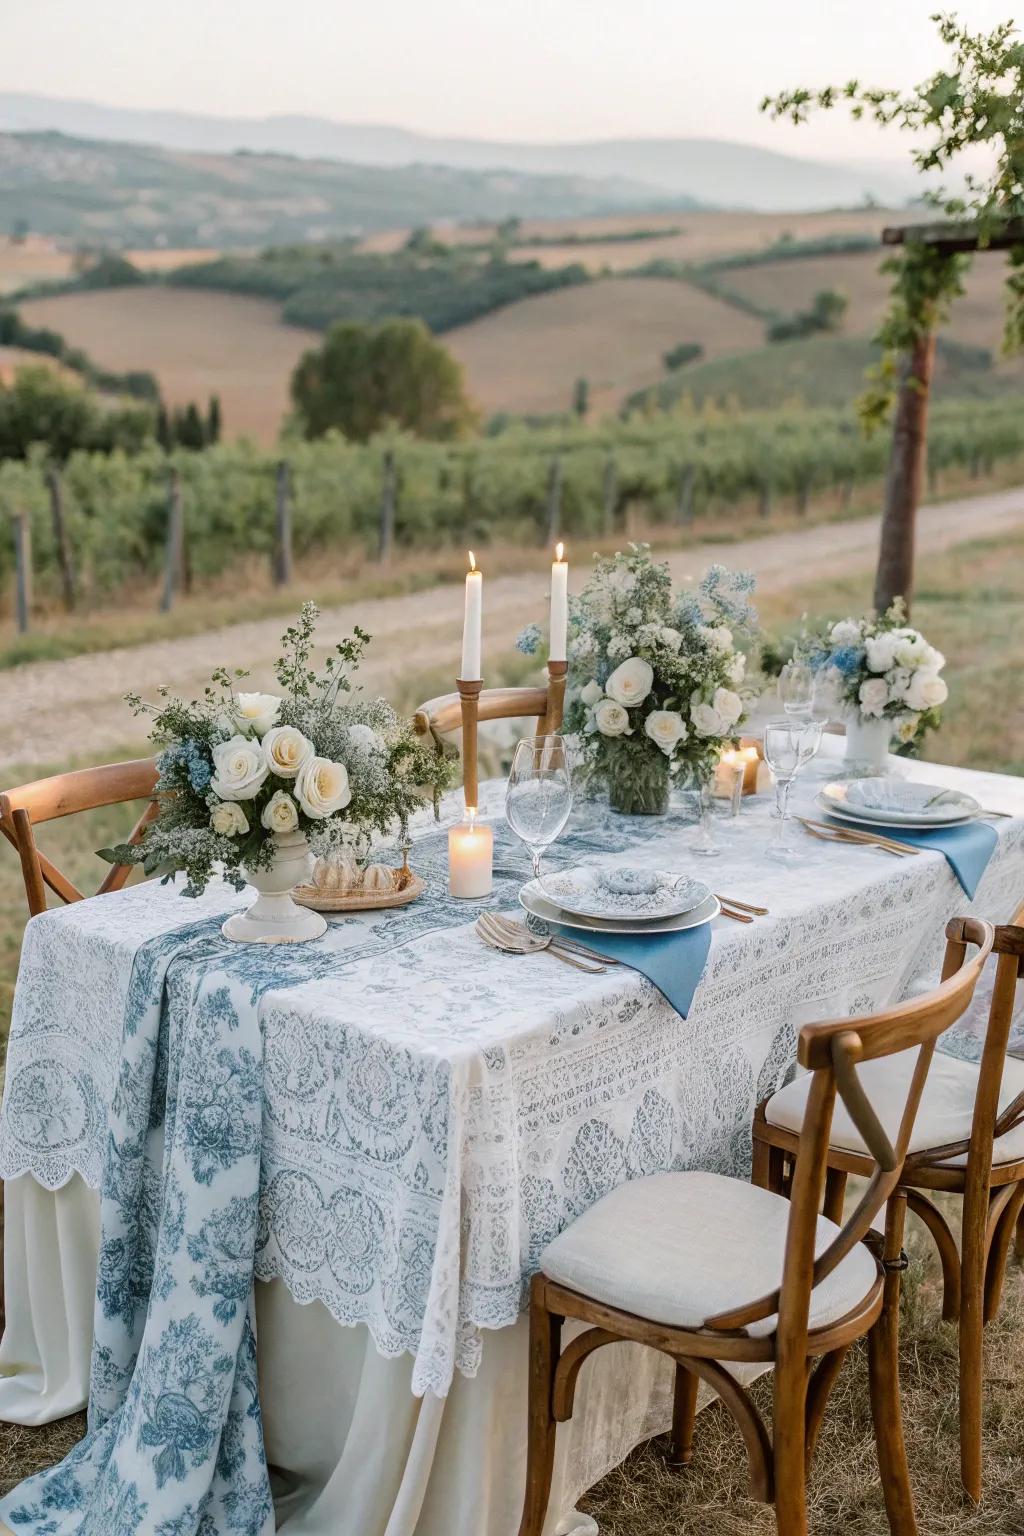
column 538, row 796
column 789, row 745
column 796, row 688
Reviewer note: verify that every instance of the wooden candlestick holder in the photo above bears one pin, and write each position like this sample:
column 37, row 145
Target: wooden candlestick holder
column 469, row 697
column 552, row 721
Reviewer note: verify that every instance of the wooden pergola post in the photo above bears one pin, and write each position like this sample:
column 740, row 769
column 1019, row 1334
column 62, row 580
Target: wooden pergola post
column 908, row 460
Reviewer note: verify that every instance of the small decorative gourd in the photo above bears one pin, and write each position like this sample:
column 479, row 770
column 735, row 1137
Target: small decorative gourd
column 337, row 875
column 378, row 880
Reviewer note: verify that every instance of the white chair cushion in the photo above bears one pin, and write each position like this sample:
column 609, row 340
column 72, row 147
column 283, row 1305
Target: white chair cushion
column 947, row 1104
column 678, row 1248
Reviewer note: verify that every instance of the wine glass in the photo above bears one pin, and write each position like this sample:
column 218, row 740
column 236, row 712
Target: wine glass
column 796, row 688
column 789, row 745
column 538, row 796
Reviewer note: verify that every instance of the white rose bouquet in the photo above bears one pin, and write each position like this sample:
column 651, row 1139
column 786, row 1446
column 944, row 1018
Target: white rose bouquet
column 238, row 769
column 656, row 679
column 880, row 668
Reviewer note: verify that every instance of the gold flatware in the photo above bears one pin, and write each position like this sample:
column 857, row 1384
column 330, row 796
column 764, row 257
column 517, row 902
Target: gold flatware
column 742, row 906
column 527, row 944
column 737, row 917
column 832, row 834
column 515, row 931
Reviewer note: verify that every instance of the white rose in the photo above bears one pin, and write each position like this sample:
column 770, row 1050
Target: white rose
column 632, row 682
column 257, row 712
column 228, row 819
column 932, row 660
column 665, row 727
column 706, row 722
column 590, row 693
column 716, row 636
column 728, row 706
column 239, row 769
column 737, row 669
column 845, row 632
column 286, row 750
column 911, row 649
column 611, row 719
column 365, row 737
column 874, row 696
column 881, row 651
column 322, row 787
column 280, row 814
column 926, row 691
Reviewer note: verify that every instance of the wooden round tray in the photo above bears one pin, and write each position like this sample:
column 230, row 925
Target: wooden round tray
column 358, row 901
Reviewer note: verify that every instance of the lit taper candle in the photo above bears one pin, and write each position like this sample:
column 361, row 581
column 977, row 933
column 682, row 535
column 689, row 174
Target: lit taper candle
column 559, row 606
column 471, row 638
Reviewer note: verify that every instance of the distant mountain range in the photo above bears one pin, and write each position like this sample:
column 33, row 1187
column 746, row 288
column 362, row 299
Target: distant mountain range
column 123, row 195
column 707, row 171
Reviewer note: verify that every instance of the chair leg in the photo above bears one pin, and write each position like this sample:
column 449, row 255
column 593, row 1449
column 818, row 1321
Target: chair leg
column 999, row 1252
column 883, row 1368
column 545, row 1347
column 789, row 1409
column 684, row 1416
column 835, row 1195
column 971, row 1324
column 1018, row 1243
column 821, row 1383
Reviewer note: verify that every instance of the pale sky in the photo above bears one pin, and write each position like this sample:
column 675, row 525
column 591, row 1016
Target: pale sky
column 517, row 69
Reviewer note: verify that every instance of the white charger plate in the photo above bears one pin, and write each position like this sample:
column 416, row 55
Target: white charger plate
column 531, row 900
column 848, row 799
column 868, row 819
column 582, row 891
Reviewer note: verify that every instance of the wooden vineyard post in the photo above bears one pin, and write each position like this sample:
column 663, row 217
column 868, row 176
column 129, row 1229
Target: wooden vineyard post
column 60, row 536
column 554, row 500
column 388, row 501
column 610, row 495
column 23, row 570
column 283, row 526
column 905, row 478
column 174, row 559
column 764, row 498
column 803, row 492
column 685, row 503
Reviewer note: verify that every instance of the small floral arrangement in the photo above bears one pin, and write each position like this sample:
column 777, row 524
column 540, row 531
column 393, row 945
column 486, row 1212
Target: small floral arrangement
column 881, row 668
column 238, row 769
column 656, row 678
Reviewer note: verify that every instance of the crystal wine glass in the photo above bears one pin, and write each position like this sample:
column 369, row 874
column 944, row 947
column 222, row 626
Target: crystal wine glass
column 789, row 745
column 538, row 797
column 796, row 688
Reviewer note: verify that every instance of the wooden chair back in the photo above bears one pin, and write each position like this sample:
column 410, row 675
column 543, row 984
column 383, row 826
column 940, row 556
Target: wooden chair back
column 65, row 794
column 472, row 703
column 832, row 1052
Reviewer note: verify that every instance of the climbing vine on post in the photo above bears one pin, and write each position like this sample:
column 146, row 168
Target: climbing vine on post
column 978, row 100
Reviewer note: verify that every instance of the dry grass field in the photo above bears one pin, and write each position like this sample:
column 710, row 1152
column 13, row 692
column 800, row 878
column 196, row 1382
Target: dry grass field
column 526, row 357
column 197, row 343
column 13, row 358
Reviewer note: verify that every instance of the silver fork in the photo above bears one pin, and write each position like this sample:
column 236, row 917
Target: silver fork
column 490, row 930
column 541, row 930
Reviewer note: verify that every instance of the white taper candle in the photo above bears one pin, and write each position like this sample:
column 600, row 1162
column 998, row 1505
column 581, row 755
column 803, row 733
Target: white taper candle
column 559, row 637
column 471, row 628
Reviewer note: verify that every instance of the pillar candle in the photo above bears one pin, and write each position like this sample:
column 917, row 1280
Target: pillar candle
column 559, row 606
column 470, row 858
column 471, row 640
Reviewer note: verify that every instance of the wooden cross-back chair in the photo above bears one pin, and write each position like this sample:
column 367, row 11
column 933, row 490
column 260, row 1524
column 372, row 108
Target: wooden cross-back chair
column 472, row 703
column 65, row 794
column 709, row 1269
column 968, row 1141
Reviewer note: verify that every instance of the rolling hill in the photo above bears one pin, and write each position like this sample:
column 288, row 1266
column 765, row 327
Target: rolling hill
column 706, row 170
column 123, row 195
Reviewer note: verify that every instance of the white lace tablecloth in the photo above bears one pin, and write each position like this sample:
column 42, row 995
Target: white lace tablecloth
column 436, row 1113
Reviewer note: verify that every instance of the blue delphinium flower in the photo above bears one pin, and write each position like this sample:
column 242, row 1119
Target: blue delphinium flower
column 529, row 641
column 848, row 659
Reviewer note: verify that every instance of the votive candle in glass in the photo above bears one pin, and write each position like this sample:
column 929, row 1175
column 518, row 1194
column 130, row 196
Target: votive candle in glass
column 470, row 858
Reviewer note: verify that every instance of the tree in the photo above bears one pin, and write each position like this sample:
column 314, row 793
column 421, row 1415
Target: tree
column 825, row 314
column 163, row 428
column 214, row 422
column 366, row 377
column 973, row 104
column 41, row 407
column 581, row 398
column 189, row 429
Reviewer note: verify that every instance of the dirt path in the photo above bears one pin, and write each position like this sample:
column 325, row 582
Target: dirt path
column 61, row 709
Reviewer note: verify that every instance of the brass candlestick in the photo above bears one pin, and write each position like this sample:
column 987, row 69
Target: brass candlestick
column 469, row 695
column 552, row 721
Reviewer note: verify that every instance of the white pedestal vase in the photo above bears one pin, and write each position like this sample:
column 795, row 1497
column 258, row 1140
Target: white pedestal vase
column 274, row 918
column 867, row 745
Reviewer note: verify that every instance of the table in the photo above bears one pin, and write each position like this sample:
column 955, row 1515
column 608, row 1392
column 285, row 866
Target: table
column 434, row 1114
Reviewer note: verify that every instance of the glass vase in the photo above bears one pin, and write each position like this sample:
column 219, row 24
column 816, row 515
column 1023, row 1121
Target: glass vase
column 638, row 784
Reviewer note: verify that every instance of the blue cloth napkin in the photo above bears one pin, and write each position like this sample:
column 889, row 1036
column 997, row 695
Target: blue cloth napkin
column 967, row 848
column 673, row 961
